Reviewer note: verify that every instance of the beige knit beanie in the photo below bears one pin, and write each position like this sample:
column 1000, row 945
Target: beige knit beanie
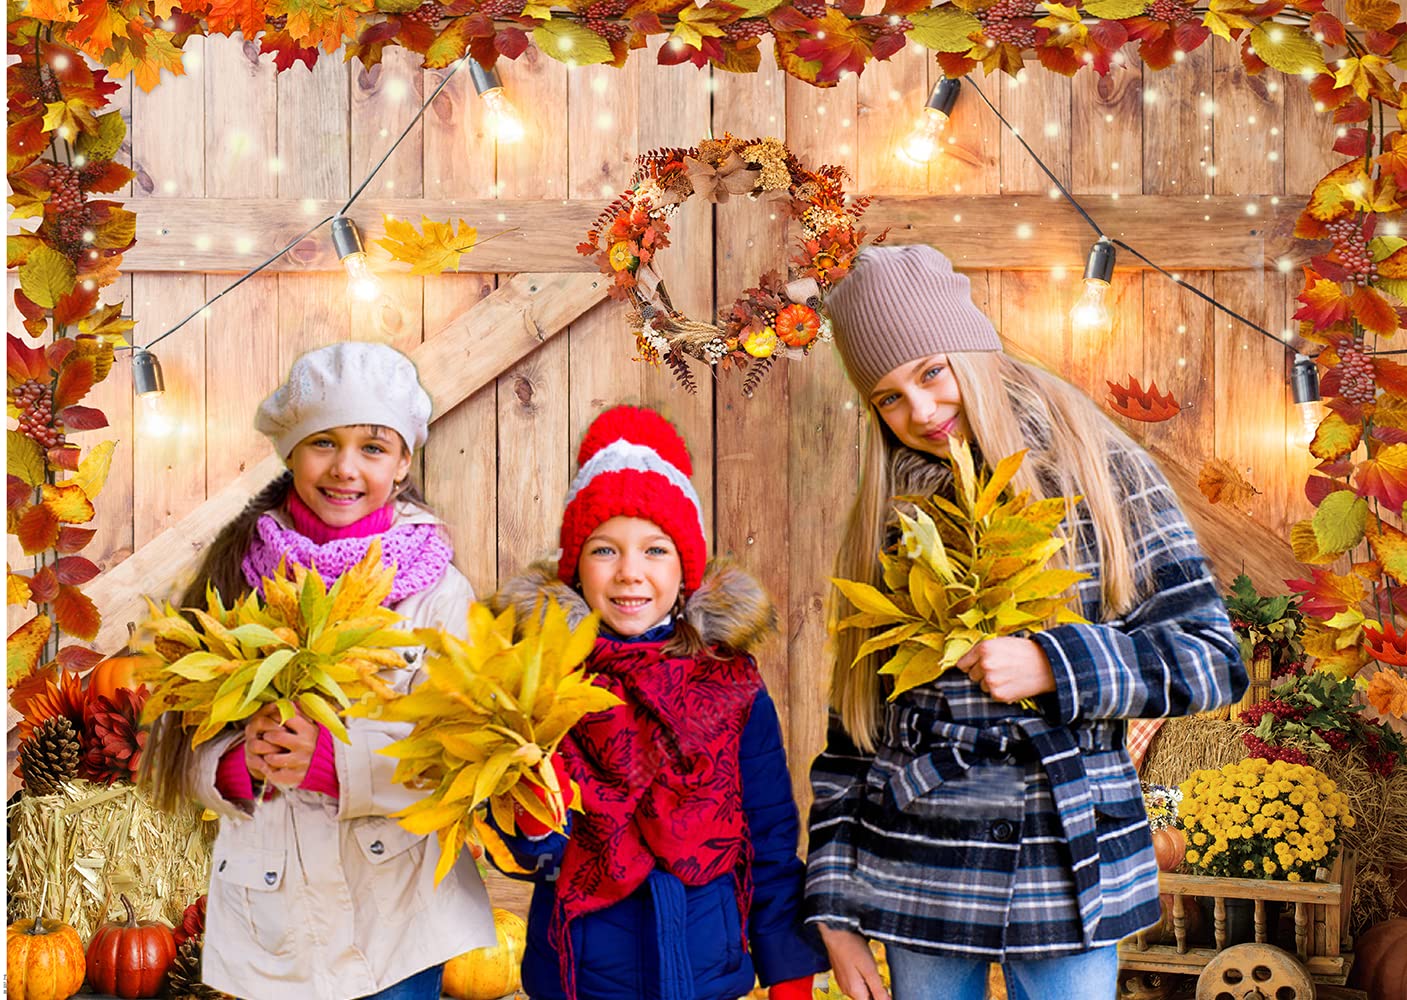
column 902, row 303
column 342, row 385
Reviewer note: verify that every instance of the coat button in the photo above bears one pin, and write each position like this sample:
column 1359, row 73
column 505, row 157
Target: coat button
column 270, row 878
column 222, row 865
column 1003, row 832
column 377, row 847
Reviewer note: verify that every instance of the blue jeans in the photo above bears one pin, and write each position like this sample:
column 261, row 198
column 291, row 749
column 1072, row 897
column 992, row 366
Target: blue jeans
column 424, row 985
column 1093, row 975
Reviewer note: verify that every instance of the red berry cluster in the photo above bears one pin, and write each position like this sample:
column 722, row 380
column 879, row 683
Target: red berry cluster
column 1278, row 707
column 1010, row 21
column 35, row 401
column 1171, row 11
column 1257, row 747
column 1352, row 249
column 599, row 19
column 810, row 8
column 67, row 209
column 1356, row 369
column 751, row 27
column 1381, row 760
column 892, row 25
column 426, row 13
column 503, row 8
column 279, row 23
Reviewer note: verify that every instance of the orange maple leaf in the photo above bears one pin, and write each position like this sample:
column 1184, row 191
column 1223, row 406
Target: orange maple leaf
column 1324, row 302
column 1384, row 477
column 1374, row 312
column 1137, row 403
column 229, row 16
column 1220, row 481
column 1326, row 593
column 1333, row 195
column 1387, row 692
column 1385, row 645
column 1393, row 159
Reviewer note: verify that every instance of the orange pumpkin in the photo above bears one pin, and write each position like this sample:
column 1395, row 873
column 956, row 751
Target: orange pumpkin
column 130, row 960
column 1169, row 847
column 1380, row 963
column 490, row 973
column 44, row 959
column 117, row 672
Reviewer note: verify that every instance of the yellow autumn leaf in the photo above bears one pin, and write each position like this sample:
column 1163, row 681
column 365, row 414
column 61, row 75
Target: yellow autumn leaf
column 432, row 249
column 16, row 588
column 1287, row 48
column 92, row 471
column 1339, row 522
column 697, row 23
column 1225, row 16
column 1365, row 74
column 572, row 43
column 944, row 28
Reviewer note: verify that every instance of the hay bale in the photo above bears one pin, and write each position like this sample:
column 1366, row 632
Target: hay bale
column 1378, row 804
column 89, row 843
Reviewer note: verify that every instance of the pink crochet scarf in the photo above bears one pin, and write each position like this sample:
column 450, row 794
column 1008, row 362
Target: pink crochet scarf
column 420, row 553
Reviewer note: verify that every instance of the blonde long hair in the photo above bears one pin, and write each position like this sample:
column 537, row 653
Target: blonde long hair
column 1010, row 404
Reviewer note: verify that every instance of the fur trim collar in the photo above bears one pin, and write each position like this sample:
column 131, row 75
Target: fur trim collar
column 730, row 607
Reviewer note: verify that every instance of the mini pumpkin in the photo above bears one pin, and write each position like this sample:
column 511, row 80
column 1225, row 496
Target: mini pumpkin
column 121, row 671
column 490, row 973
column 1380, row 965
column 1169, row 847
column 44, row 960
column 130, row 960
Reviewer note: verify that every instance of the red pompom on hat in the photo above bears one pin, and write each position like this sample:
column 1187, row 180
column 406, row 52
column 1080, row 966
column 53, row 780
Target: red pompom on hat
column 633, row 463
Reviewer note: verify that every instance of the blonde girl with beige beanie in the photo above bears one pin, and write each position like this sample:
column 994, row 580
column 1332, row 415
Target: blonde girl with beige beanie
column 950, row 823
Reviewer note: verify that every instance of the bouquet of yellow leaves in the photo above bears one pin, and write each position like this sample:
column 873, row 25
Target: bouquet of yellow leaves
column 965, row 570
column 299, row 645
column 486, row 722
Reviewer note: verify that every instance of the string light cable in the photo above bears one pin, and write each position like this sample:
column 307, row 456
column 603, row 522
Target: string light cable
column 1104, row 238
column 147, row 375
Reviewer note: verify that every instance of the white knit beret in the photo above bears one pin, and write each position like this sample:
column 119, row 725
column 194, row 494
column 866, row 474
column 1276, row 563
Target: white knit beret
column 346, row 384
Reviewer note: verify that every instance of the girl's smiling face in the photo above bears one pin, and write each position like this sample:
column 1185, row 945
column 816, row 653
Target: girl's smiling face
column 630, row 572
column 345, row 473
column 921, row 403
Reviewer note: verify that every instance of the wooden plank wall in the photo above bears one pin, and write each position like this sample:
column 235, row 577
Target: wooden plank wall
column 775, row 472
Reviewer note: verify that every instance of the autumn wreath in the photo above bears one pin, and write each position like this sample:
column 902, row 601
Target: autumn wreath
column 781, row 316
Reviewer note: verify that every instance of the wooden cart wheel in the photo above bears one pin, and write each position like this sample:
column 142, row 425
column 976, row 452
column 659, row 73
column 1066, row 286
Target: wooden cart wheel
column 1254, row 972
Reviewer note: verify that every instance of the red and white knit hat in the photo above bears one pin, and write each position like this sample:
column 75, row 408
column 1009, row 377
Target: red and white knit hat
column 633, row 463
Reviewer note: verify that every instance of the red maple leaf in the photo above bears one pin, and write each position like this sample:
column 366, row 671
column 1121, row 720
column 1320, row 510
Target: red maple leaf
column 1386, row 645
column 1327, row 593
column 286, row 51
column 1137, row 403
column 837, row 46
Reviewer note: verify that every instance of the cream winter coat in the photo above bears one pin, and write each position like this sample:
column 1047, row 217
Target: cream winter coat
column 316, row 899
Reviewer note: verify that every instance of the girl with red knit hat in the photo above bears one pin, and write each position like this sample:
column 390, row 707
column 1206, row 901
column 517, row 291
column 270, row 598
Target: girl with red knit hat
column 678, row 878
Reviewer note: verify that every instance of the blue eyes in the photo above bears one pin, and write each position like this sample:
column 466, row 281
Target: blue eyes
column 606, row 550
column 928, row 376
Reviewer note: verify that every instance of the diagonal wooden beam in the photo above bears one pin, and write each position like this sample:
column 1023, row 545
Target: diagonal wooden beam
column 1233, row 543
column 454, row 363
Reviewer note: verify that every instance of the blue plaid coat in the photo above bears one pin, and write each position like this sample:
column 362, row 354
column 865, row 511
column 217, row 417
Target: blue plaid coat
column 982, row 830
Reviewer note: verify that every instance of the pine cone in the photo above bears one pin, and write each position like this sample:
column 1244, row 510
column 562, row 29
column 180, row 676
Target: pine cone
column 183, row 975
column 49, row 757
column 115, row 737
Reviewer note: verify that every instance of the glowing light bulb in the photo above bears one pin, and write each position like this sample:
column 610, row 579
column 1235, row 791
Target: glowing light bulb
column 1090, row 316
column 362, row 283
column 503, row 117
column 504, row 121
column 1309, row 422
column 924, row 140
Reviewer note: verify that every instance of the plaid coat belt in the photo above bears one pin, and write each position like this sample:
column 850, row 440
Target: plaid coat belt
column 946, row 750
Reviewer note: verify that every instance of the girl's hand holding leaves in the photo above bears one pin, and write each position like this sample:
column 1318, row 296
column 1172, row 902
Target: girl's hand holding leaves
column 299, row 647
column 487, row 721
column 965, row 570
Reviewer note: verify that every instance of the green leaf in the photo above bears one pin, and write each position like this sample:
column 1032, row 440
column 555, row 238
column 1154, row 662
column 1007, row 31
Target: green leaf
column 198, row 666
column 1339, row 521
column 1287, row 48
column 572, row 43
column 1115, row 10
column 944, row 29
column 1385, row 246
column 272, row 664
column 755, row 8
column 23, row 458
column 107, row 140
column 47, row 276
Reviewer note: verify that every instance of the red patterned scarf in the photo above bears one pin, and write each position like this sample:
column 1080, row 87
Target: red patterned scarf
column 660, row 780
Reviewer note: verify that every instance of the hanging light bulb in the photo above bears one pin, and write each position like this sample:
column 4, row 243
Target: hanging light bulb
column 362, row 283
column 922, row 143
column 1090, row 316
column 1304, row 383
column 503, row 117
column 147, row 379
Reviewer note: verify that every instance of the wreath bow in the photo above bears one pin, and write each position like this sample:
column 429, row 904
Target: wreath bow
column 715, row 184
